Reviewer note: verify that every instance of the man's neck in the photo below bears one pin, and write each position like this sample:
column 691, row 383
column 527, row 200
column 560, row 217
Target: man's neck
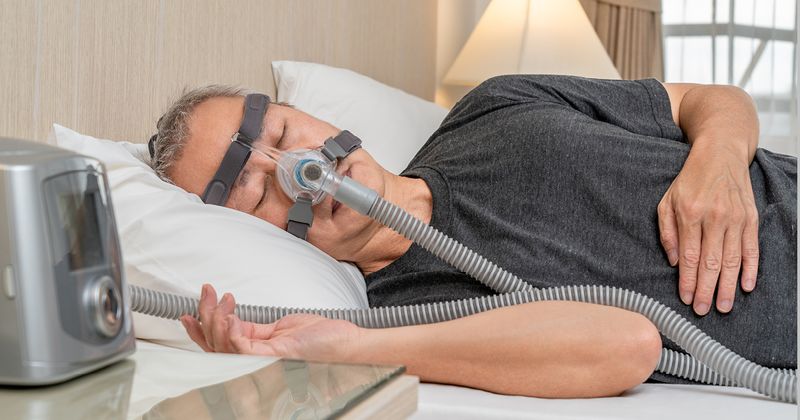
column 386, row 245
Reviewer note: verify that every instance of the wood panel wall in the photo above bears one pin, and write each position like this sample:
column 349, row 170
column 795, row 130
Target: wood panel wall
column 110, row 68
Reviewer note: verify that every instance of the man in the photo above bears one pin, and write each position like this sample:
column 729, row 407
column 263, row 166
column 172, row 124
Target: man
column 561, row 180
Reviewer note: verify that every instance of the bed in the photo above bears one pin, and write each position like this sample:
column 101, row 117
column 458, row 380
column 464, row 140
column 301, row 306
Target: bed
column 367, row 66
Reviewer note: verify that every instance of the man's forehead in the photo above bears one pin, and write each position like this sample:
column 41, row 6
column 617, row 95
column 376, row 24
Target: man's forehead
column 211, row 126
column 215, row 116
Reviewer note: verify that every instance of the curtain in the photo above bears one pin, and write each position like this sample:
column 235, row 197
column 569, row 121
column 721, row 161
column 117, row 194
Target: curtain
column 630, row 30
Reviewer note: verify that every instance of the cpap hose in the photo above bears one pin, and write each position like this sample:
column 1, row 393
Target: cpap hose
column 711, row 363
column 775, row 383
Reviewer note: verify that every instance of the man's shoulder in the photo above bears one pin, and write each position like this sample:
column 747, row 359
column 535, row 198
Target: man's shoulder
column 546, row 84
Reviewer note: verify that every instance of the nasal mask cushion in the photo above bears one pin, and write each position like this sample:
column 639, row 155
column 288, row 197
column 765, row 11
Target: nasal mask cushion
column 293, row 184
column 304, row 195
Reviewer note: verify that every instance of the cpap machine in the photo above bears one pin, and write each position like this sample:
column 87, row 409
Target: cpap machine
column 64, row 307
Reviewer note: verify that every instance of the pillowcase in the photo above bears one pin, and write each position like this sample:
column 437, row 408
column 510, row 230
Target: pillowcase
column 173, row 242
column 392, row 124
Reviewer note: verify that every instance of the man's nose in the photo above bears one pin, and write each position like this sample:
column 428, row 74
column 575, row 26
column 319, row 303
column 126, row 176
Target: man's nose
column 261, row 164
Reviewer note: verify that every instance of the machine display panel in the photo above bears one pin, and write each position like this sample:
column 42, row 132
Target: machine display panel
column 78, row 213
column 76, row 206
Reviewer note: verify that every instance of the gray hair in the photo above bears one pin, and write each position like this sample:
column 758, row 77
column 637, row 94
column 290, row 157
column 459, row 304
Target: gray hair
column 173, row 126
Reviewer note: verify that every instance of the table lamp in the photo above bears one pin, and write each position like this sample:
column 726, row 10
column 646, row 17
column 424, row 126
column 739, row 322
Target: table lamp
column 531, row 36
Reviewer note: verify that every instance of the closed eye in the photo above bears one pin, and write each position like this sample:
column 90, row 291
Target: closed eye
column 264, row 192
column 280, row 139
column 239, row 183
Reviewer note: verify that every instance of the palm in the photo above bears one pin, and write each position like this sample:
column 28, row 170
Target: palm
column 299, row 336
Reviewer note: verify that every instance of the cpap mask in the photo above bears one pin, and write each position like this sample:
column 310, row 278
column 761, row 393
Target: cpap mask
column 243, row 142
column 303, row 173
column 307, row 175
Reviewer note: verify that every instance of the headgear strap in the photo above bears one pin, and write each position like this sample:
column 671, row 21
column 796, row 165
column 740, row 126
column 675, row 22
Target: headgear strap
column 218, row 189
column 238, row 153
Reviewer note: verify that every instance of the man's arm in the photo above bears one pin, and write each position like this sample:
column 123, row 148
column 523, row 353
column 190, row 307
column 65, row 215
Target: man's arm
column 715, row 116
column 545, row 349
column 708, row 218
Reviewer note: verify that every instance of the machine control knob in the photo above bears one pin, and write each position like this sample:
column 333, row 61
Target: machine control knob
column 105, row 306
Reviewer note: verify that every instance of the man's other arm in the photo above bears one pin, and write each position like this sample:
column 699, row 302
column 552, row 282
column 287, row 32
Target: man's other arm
column 715, row 116
column 708, row 218
column 543, row 349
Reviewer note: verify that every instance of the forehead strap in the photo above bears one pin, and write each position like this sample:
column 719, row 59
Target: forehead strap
column 219, row 188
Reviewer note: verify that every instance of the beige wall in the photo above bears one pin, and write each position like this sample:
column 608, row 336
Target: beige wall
column 109, row 67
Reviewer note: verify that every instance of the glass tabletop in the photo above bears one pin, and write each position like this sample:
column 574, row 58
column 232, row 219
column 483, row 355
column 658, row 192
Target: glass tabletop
column 284, row 389
column 104, row 394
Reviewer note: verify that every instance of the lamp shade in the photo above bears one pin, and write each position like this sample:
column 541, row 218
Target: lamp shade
column 531, row 36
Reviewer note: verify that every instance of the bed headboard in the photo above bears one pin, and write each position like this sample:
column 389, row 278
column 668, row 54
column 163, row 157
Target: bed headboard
column 110, row 68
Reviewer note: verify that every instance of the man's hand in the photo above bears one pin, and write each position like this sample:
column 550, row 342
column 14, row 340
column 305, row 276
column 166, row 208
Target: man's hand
column 298, row 336
column 709, row 228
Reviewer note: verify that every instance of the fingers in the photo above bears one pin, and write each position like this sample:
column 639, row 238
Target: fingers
column 729, row 274
column 689, row 236
column 219, row 324
column 195, row 332
column 710, row 265
column 210, row 332
column 208, row 302
column 714, row 247
column 668, row 228
column 750, row 250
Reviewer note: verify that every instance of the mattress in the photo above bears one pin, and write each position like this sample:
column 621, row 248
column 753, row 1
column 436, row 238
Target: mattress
column 646, row 401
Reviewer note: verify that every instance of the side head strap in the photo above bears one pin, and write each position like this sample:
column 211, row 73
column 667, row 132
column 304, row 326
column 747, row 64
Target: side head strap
column 300, row 218
column 341, row 146
column 219, row 188
column 300, row 215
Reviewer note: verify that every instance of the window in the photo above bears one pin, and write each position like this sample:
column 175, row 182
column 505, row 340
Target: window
column 748, row 43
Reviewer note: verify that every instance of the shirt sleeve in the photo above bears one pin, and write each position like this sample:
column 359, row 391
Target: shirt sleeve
column 639, row 106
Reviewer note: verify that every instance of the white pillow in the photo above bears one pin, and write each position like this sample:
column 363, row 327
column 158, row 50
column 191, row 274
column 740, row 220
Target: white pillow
column 392, row 124
column 172, row 241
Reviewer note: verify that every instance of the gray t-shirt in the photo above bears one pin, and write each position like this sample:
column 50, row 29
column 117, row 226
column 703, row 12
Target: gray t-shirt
column 557, row 180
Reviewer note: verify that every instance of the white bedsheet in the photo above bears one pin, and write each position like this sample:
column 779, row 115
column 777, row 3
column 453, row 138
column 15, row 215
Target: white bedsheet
column 647, row 401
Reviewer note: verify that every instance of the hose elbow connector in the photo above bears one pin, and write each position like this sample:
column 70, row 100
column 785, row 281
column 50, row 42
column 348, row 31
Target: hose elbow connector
column 356, row 196
column 318, row 176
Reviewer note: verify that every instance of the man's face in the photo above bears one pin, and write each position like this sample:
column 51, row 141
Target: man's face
column 336, row 229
